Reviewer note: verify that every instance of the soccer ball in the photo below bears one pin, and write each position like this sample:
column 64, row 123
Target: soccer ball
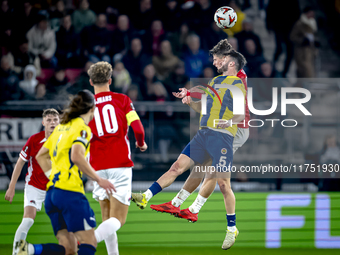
column 225, row 17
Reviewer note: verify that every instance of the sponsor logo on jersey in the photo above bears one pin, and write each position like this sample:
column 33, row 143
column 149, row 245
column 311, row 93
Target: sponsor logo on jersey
column 26, row 149
column 32, row 202
column 224, row 151
column 83, row 134
column 132, row 107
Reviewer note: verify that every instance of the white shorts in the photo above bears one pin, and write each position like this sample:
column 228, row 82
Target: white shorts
column 34, row 197
column 121, row 178
column 240, row 138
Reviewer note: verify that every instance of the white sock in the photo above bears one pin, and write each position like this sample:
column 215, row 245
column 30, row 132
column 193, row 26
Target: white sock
column 106, row 229
column 22, row 230
column 232, row 229
column 180, row 197
column 112, row 244
column 197, row 204
column 148, row 195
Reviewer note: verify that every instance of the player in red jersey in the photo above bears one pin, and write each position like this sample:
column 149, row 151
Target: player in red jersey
column 36, row 180
column 110, row 153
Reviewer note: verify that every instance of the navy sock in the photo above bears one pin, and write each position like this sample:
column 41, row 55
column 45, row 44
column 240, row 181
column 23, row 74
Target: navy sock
column 231, row 220
column 86, row 249
column 49, row 249
column 155, row 188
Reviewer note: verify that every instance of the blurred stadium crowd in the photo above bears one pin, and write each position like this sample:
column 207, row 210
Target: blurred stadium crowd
column 154, row 46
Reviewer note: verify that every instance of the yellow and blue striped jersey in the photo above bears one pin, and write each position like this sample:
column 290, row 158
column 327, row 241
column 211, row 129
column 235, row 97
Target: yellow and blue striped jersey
column 65, row 174
column 216, row 110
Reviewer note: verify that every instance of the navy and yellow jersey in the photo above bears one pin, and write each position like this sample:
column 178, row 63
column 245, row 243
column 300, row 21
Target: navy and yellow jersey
column 65, row 174
column 215, row 110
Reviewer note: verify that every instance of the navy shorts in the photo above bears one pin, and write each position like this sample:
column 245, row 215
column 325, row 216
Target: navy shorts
column 69, row 210
column 212, row 144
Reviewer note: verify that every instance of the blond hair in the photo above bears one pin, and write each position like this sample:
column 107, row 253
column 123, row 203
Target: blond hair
column 100, row 73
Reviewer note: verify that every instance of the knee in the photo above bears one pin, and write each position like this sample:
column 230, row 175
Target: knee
column 224, row 185
column 176, row 169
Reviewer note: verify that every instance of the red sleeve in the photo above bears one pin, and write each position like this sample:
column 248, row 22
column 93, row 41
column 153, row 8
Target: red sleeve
column 26, row 150
column 195, row 95
column 138, row 130
column 128, row 105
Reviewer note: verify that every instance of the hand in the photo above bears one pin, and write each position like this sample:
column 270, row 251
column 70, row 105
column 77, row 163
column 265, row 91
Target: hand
column 107, row 185
column 181, row 94
column 223, row 124
column 186, row 100
column 142, row 148
column 10, row 194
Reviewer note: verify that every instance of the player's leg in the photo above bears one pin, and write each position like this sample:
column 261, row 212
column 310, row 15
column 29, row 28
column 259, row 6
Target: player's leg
column 116, row 209
column 25, row 225
column 59, row 228
column 193, row 152
column 107, row 230
column 230, row 202
column 33, row 199
column 87, row 241
column 207, row 188
column 190, row 185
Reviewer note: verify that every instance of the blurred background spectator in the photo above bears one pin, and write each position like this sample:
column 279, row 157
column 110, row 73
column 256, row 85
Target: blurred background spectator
column 135, row 60
column 83, row 16
column 96, row 40
column 305, row 44
column 121, row 37
column 121, row 78
column 151, row 88
column 68, row 44
column 277, row 21
column 30, row 82
column 195, row 58
column 21, row 57
column 165, row 62
column 248, row 33
column 9, row 81
column 42, row 42
column 57, row 85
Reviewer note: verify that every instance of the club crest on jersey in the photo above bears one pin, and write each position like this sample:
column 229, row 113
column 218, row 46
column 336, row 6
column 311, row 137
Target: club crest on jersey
column 83, row 134
column 224, row 151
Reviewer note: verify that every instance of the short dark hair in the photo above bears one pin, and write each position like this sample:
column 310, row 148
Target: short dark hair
column 50, row 111
column 239, row 59
column 221, row 48
column 100, row 73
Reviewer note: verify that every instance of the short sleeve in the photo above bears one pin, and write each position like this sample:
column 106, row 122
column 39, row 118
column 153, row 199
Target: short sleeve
column 26, row 150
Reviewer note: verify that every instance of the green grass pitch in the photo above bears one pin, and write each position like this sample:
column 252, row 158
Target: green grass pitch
column 149, row 232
